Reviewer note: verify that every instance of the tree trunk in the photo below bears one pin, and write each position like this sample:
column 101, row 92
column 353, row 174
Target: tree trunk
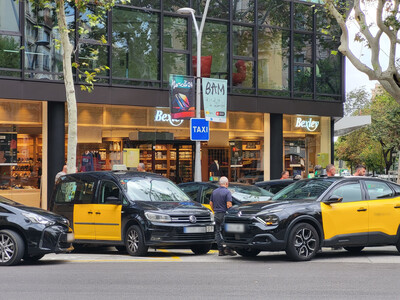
column 69, row 88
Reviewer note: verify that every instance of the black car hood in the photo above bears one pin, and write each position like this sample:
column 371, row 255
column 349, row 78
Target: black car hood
column 44, row 213
column 173, row 207
column 257, row 207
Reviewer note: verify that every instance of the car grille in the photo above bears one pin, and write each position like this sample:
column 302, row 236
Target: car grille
column 185, row 219
column 195, row 236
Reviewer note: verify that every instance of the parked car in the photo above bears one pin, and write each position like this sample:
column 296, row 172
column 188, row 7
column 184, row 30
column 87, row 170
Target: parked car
column 29, row 233
column 132, row 211
column 274, row 185
column 349, row 212
column 241, row 193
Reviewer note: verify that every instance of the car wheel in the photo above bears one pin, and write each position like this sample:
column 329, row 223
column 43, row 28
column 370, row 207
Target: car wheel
column 12, row 248
column 303, row 242
column 134, row 241
column 247, row 252
column 121, row 248
column 354, row 249
column 33, row 257
column 200, row 249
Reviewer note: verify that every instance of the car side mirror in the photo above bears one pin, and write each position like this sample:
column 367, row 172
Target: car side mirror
column 112, row 200
column 333, row 199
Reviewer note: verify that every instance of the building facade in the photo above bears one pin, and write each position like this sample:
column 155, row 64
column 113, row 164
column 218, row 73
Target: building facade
column 285, row 84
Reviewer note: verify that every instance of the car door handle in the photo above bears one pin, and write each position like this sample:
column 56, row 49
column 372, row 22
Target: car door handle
column 90, row 212
column 362, row 209
column 397, row 206
column 98, row 213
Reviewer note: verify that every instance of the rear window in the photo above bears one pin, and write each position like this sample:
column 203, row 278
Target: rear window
column 75, row 191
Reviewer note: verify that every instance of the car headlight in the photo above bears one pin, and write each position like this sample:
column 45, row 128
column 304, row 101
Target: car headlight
column 268, row 220
column 154, row 217
column 212, row 216
column 37, row 219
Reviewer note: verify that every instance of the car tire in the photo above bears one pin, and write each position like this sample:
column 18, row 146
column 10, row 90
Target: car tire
column 303, row 242
column 33, row 258
column 354, row 250
column 12, row 248
column 201, row 249
column 134, row 241
column 121, row 248
column 247, row 252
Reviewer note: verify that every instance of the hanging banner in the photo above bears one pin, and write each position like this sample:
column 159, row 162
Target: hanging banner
column 181, row 99
column 215, row 99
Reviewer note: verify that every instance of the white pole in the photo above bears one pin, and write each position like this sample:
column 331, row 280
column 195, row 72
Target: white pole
column 199, row 32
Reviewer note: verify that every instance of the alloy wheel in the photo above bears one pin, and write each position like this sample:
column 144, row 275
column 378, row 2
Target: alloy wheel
column 305, row 242
column 7, row 248
column 133, row 241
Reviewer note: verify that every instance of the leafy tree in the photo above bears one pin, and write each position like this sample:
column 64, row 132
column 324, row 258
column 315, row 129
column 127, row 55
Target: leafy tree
column 92, row 13
column 372, row 31
column 356, row 100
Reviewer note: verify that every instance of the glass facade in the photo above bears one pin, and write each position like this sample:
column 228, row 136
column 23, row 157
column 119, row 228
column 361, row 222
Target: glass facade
column 267, row 48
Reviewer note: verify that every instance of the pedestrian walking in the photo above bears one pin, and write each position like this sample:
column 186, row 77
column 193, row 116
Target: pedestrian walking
column 220, row 202
column 285, row 174
column 61, row 173
column 141, row 167
column 330, row 170
column 360, row 170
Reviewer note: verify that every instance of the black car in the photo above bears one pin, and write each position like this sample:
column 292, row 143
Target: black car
column 29, row 233
column 241, row 193
column 132, row 211
column 274, row 185
column 349, row 212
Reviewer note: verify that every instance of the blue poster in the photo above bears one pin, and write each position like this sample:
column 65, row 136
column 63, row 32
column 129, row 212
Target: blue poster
column 215, row 99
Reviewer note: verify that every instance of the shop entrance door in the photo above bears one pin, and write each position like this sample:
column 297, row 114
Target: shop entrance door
column 215, row 163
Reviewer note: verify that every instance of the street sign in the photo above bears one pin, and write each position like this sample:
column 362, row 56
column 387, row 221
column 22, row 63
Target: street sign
column 199, row 129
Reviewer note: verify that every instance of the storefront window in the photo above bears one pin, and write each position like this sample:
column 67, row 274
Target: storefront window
column 274, row 13
column 10, row 55
column 303, row 17
column 21, row 151
column 92, row 56
column 243, row 11
column 174, row 63
column 174, row 5
column 214, row 51
column 135, row 45
column 175, row 33
column 273, row 59
column 242, row 41
column 304, row 145
column 216, row 9
column 328, row 64
column 9, row 16
column 93, row 31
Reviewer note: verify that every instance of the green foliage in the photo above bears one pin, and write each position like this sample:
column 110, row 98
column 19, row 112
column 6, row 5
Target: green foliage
column 357, row 101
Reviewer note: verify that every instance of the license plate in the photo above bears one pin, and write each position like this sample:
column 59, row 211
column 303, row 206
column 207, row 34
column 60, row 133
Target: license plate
column 235, row 228
column 70, row 237
column 198, row 229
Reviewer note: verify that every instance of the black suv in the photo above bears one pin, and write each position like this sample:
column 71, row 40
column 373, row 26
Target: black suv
column 349, row 212
column 132, row 211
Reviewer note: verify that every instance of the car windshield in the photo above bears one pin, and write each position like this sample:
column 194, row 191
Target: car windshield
column 249, row 193
column 153, row 189
column 303, row 189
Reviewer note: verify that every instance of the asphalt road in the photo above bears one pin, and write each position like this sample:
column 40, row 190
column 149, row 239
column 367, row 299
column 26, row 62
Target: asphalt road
column 178, row 274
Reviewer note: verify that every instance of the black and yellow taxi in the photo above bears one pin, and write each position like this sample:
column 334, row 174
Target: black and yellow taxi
column 349, row 212
column 132, row 211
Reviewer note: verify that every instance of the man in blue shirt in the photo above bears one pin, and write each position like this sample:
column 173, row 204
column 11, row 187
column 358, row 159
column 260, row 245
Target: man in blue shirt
column 220, row 202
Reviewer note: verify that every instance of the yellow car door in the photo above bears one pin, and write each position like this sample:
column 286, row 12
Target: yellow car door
column 346, row 222
column 384, row 211
column 107, row 212
column 84, row 226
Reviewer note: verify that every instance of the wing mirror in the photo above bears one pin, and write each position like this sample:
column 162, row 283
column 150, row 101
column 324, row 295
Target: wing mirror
column 333, row 199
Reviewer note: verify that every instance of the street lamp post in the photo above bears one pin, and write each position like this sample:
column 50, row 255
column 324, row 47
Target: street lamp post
column 199, row 32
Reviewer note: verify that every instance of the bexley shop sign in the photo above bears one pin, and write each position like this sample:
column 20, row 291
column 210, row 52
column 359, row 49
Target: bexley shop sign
column 305, row 123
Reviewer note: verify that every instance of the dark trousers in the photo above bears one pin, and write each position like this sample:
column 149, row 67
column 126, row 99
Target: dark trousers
column 219, row 219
